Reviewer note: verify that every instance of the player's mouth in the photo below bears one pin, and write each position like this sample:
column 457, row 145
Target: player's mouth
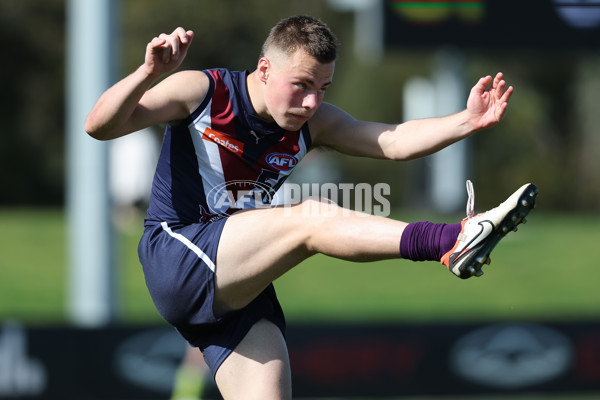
column 300, row 117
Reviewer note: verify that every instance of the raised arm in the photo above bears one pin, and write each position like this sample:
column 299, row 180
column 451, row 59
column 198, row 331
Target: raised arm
column 412, row 139
column 131, row 105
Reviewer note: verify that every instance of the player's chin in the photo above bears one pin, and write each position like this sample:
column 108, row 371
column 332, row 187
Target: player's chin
column 288, row 126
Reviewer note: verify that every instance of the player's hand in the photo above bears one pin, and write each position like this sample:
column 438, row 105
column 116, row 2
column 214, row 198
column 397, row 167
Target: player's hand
column 166, row 52
column 488, row 105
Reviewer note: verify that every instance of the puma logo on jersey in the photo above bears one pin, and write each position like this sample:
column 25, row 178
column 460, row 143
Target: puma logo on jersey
column 221, row 139
column 281, row 161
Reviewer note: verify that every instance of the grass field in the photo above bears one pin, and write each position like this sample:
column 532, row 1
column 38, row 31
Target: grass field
column 544, row 272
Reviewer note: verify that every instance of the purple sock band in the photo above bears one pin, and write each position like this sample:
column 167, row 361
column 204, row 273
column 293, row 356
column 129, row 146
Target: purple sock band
column 406, row 240
column 449, row 238
column 427, row 241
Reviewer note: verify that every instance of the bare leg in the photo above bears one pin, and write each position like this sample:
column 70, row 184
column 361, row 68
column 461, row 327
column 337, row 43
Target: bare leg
column 259, row 367
column 258, row 246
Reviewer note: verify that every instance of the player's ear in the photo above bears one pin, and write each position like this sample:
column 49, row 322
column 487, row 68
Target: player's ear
column 263, row 68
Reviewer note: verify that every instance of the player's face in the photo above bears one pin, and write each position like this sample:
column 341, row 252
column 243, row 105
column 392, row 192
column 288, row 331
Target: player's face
column 295, row 87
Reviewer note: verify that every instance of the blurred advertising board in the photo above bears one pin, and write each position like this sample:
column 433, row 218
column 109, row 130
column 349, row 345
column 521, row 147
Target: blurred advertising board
column 382, row 360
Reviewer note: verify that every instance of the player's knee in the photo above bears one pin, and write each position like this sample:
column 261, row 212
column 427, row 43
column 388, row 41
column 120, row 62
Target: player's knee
column 317, row 215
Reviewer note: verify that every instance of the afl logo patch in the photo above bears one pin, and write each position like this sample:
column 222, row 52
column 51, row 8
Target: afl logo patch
column 281, row 161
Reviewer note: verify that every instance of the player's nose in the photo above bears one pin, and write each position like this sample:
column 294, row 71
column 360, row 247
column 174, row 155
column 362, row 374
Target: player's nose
column 310, row 100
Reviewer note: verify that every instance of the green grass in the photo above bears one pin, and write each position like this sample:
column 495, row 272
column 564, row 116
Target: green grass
column 546, row 271
column 32, row 264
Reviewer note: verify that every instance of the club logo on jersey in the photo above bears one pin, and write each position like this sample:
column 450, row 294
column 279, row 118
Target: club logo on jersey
column 222, row 140
column 281, row 161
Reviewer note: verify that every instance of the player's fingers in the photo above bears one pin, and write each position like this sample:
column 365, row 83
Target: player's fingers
column 500, row 111
column 499, row 88
column 183, row 35
column 506, row 96
column 185, row 39
column 170, row 47
column 155, row 42
column 482, row 83
column 154, row 48
column 498, row 78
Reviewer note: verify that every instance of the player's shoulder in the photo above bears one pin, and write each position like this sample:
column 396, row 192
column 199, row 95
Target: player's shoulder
column 187, row 87
column 190, row 79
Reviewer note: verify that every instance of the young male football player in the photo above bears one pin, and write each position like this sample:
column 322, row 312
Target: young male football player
column 209, row 262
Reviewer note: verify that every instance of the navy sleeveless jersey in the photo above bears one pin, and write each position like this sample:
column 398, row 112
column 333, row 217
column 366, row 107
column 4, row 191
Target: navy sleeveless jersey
column 222, row 157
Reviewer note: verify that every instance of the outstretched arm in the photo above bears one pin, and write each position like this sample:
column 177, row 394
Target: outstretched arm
column 417, row 138
column 129, row 105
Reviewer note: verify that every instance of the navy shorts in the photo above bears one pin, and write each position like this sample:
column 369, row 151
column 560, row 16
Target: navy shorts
column 179, row 267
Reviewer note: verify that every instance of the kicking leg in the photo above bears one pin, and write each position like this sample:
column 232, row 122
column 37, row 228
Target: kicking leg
column 258, row 246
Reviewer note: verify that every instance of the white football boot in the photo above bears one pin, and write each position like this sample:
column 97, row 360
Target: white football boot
column 481, row 233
